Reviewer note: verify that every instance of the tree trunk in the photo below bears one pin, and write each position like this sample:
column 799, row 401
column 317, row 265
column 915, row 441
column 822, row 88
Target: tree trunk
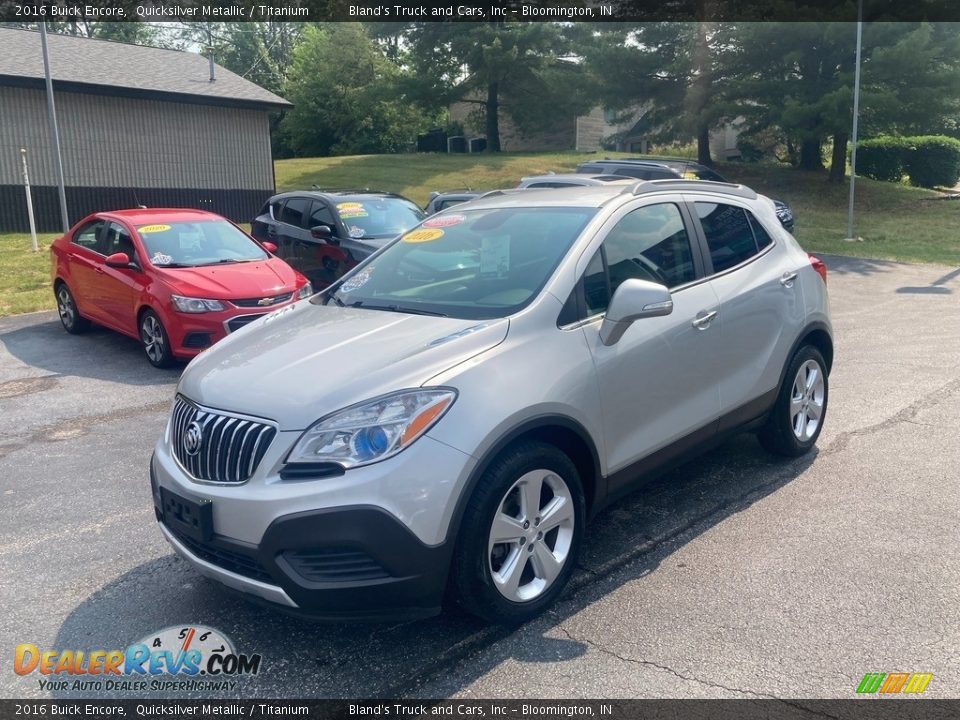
column 838, row 160
column 810, row 158
column 703, row 147
column 493, row 117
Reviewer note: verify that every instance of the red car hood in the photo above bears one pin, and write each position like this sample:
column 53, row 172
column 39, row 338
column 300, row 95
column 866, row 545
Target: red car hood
column 232, row 280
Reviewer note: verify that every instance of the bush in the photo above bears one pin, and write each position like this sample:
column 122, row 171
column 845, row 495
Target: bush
column 933, row 161
column 882, row 158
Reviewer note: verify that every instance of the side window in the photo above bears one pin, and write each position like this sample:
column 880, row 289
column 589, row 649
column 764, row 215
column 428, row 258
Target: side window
column 763, row 238
column 294, row 211
column 118, row 240
column 650, row 243
column 276, row 207
column 728, row 232
column 596, row 290
column 87, row 236
column 320, row 214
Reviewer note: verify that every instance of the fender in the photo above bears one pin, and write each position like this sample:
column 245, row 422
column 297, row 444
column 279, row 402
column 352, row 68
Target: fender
column 511, row 435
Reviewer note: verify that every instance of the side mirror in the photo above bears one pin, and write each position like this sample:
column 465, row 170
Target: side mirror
column 120, row 260
column 269, row 247
column 633, row 300
column 321, row 232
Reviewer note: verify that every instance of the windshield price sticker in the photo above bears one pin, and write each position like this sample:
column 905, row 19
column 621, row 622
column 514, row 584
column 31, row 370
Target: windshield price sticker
column 495, row 256
column 422, row 236
column 152, row 228
column 444, row 221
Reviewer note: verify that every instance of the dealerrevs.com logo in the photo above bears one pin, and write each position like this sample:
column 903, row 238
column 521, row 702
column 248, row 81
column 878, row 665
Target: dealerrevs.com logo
column 191, row 657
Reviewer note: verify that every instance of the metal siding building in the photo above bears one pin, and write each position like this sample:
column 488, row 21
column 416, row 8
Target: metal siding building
column 137, row 125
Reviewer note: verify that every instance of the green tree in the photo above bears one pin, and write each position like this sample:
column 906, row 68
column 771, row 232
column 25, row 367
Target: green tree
column 674, row 72
column 347, row 96
column 522, row 69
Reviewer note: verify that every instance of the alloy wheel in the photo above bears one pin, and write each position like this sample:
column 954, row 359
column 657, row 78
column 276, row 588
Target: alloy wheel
column 152, row 335
column 531, row 535
column 68, row 313
column 806, row 400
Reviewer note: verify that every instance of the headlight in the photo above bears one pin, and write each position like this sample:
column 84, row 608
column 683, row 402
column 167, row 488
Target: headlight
column 305, row 291
column 195, row 305
column 373, row 430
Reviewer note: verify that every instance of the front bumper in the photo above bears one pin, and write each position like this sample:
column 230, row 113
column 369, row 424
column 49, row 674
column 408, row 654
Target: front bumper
column 368, row 545
column 192, row 333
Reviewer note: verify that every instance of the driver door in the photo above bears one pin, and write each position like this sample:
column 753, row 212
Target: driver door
column 657, row 383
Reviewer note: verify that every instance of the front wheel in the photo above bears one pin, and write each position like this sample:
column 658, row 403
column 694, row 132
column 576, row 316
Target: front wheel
column 155, row 341
column 797, row 417
column 520, row 535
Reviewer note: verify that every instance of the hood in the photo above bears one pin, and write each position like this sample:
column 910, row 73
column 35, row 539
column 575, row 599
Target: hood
column 305, row 361
column 232, row 280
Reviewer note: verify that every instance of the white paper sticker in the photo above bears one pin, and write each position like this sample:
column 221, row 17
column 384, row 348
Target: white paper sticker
column 357, row 281
column 495, row 256
column 160, row 259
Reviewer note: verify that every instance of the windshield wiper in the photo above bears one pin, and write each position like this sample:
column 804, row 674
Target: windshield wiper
column 397, row 309
column 221, row 262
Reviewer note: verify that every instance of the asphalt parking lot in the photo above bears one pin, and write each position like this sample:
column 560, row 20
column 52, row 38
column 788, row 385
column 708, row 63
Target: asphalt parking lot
column 737, row 575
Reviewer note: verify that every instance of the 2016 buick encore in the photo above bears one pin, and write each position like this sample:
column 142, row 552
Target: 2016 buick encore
column 450, row 413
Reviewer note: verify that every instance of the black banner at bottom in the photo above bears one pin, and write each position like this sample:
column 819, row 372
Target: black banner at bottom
column 855, row 709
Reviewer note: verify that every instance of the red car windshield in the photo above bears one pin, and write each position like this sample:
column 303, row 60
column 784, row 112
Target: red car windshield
column 202, row 242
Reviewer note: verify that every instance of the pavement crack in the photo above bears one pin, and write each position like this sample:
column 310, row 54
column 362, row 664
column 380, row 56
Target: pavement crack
column 906, row 415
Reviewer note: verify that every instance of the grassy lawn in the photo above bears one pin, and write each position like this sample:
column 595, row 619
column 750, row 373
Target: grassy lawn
column 895, row 222
column 24, row 274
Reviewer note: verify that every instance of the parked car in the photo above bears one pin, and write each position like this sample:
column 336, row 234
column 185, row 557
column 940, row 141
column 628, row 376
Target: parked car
column 441, row 200
column 564, row 180
column 451, row 412
column 178, row 280
column 324, row 233
column 657, row 168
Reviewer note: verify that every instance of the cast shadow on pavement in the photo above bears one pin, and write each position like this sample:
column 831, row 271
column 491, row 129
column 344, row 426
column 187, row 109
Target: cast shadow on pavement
column 628, row 540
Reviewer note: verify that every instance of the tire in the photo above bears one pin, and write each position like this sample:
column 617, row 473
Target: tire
column 70, row 317
column 481, row 574
column 797, row 417
column 154, row 340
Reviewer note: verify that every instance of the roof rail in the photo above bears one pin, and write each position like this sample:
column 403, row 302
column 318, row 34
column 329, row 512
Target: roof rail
column 649, row 186
column 494, row 193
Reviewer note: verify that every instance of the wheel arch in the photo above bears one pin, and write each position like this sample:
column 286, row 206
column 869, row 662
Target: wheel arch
column 564, row 433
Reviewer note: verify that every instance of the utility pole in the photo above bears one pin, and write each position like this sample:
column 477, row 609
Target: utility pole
column 26, row 185
column 856, row 120
column 54, row 130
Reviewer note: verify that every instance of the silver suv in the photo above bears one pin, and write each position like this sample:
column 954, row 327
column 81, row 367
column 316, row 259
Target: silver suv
column 450, row 413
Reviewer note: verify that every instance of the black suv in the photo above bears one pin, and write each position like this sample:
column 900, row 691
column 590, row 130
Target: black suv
column 657, row 168
column 325, row 233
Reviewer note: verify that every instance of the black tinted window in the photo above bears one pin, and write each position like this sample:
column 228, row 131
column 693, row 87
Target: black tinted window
column 645, row 173
column 320, row 214
column 294, row 211
column 595, row 289
column 86, row 236
column 763, row 238
column 728, row 234
column 650, row 243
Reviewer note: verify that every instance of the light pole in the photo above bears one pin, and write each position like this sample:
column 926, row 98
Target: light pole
column 856, row 120
column 54, row 130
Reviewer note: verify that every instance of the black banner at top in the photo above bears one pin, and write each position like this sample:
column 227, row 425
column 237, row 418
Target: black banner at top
column 479, row 11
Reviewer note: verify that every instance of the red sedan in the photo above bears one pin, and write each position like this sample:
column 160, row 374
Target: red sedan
column 178, row 280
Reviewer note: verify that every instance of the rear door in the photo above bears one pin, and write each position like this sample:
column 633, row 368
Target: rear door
column 290, row 232
column 85, row 257
column 657, row 384
column 760, row 304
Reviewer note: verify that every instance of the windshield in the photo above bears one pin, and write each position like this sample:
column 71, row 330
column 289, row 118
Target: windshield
column 203, row 242
column 472, row 264
column 378, row 217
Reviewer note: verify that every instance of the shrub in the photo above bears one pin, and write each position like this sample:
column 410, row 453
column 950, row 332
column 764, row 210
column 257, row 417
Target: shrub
column 882, row 158
column 933, row 161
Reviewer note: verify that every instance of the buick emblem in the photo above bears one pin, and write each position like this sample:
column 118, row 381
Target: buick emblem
column 193, row 438
column 265, row 301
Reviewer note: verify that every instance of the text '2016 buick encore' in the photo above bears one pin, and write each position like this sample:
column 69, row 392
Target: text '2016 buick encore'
column 449, row 414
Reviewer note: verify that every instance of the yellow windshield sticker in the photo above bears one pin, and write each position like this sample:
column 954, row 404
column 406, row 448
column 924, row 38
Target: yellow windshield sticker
column 152, row 228
column 422, row 236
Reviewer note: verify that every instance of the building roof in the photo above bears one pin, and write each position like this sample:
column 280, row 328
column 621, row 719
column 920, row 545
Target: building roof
column 112, row 68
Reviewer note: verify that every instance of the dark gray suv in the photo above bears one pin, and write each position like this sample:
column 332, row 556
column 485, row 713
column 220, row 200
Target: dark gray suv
column 325, row 233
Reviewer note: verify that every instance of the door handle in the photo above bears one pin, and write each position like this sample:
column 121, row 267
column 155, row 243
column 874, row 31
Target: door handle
column 702, row 322
column 99, row 269
column 787, row 279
